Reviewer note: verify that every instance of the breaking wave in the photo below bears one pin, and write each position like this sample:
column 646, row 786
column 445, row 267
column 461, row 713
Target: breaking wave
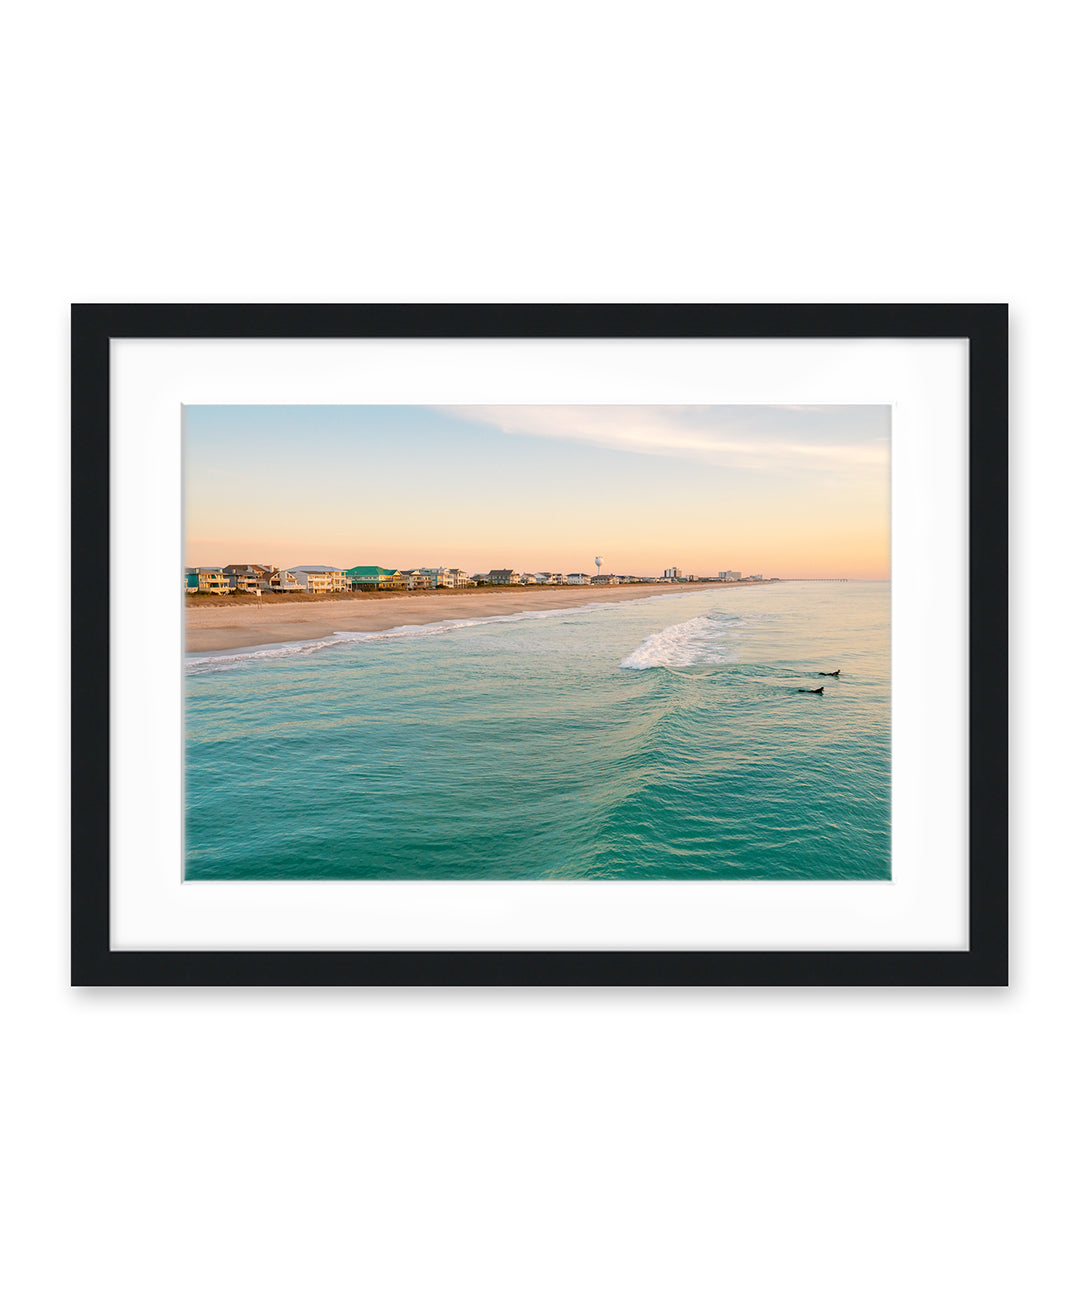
column 702, row 641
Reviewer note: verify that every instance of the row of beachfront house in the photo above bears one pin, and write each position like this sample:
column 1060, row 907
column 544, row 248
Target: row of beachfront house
column 257, row 578
column 254, row 578
column 672, row 575
column 505, row 576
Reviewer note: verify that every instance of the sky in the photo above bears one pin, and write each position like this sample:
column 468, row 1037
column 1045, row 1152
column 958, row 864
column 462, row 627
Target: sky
column 789, row 490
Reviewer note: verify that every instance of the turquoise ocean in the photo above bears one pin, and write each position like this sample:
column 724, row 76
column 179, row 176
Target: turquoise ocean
column 656, row 738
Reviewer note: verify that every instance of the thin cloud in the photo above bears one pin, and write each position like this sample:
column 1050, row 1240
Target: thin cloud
column 729, row 436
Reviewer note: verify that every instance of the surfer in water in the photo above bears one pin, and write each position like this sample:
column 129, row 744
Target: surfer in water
column 817, row 690
column 830, row 674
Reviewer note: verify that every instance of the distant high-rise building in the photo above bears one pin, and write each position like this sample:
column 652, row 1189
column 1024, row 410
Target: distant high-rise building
column 730, row 575
column 672, row 573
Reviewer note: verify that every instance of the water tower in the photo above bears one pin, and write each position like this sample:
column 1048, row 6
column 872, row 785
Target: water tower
column 598, row 562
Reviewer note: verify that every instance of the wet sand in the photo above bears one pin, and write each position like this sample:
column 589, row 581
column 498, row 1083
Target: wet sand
column 221, row 625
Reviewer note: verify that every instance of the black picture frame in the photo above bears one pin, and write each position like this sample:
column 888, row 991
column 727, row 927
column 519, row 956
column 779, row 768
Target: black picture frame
column 985, row 962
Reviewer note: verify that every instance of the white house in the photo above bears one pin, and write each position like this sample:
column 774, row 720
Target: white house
column 284, row 582
column 318, row 579
column 578, row 578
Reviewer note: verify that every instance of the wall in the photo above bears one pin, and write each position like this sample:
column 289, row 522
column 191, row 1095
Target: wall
column 749, row 1141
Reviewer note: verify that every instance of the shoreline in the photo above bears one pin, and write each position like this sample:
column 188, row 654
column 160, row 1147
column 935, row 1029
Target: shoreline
column 227, row 625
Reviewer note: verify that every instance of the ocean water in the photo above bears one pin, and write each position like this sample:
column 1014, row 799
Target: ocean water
column 656, row 738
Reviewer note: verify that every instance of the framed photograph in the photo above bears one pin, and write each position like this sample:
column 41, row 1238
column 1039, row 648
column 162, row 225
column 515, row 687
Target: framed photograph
column 539, row 645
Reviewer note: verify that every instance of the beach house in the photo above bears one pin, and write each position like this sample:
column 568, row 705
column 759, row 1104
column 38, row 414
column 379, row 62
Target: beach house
column 446, row 577
column 206, row 580
column 319, row 579
column 284, row 582
column 503, row 576
column 249, row 578
column 578, row 578
column 603, row 580
column 375, row 578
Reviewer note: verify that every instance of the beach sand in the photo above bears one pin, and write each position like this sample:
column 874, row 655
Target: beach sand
column 219, row 625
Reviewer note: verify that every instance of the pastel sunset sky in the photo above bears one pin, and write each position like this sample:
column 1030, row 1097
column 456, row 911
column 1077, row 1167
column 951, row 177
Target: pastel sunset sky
column 781, row 490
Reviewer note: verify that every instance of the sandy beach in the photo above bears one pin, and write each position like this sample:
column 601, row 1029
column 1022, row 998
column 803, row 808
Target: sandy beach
column 225, row 623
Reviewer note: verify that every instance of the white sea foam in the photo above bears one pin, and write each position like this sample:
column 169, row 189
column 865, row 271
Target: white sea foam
column 204, row 664
column 701, row 641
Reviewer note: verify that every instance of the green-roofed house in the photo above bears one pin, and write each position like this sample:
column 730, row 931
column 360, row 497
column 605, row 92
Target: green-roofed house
column 374, row 578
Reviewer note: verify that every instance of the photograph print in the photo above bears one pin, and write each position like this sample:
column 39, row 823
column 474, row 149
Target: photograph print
column 574, row 643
